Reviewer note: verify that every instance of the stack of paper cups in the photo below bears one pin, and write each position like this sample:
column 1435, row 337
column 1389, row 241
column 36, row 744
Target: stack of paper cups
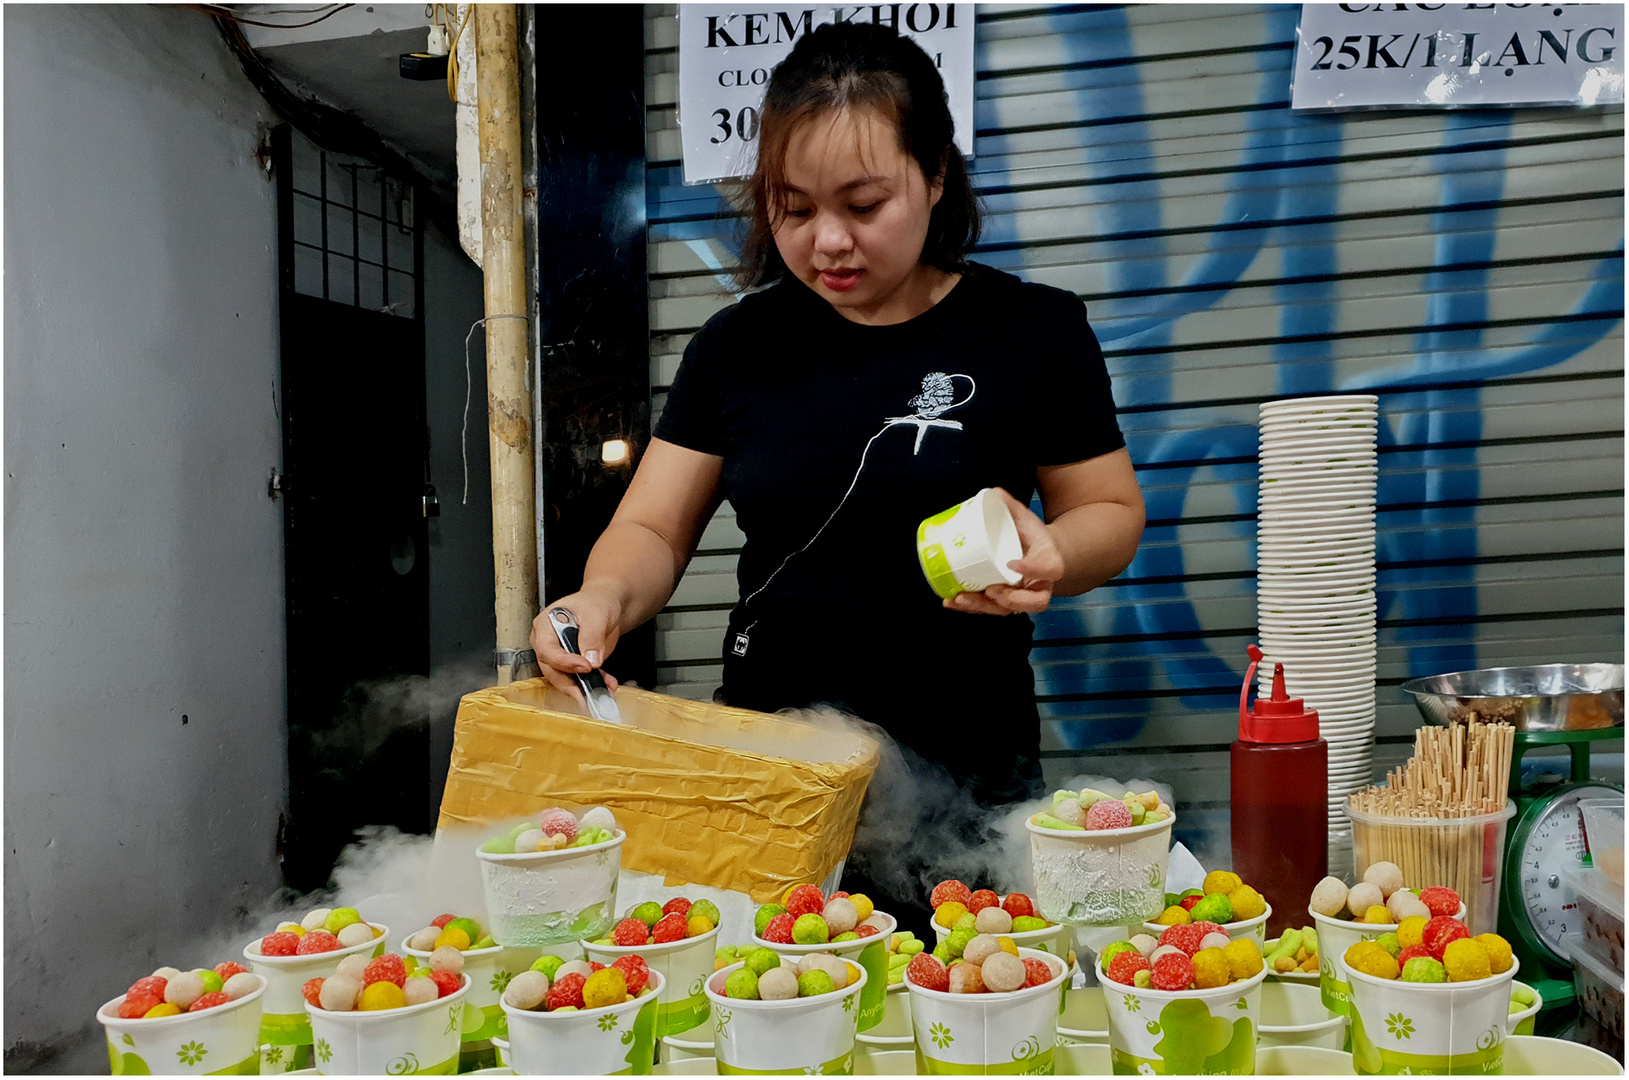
column 1315, row 596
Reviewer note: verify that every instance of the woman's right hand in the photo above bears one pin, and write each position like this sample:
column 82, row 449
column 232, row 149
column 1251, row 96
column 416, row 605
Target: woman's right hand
column 598, row 630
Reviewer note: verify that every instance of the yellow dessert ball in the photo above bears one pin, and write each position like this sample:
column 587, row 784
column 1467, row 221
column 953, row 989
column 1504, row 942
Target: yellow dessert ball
column 1247, row 903
column 454, row 937
column 862, row 905
column 1378, row 914
column 1499, row 955
column 1411, row 931
column 1221, row 881
column 949, row 912
column 382, row 995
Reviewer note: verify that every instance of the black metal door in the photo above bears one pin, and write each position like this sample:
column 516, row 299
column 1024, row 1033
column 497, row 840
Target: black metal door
column 355, row 534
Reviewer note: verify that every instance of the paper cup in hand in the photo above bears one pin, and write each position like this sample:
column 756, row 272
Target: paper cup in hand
column 967, row 548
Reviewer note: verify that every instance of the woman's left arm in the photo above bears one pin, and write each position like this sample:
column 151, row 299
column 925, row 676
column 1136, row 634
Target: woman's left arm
column 1094, row 518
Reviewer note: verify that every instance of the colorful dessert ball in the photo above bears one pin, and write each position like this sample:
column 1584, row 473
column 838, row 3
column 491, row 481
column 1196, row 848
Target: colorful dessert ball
column 1369, row 901
column 768, row 976
column 651, row 923
column 1091, row 810
column 985, row 965
column 1192, row 956
column 376, row 985
column 1223, row 899
column 460, row 933
column 1446, row 952
column 322, row 930
column 554, row 829
column 902, row 946
column 171, row 992
column 807, row 916
column 1014, row 914
column 552, row 984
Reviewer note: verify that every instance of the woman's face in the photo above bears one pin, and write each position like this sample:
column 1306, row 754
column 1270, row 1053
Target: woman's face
column 856, row 216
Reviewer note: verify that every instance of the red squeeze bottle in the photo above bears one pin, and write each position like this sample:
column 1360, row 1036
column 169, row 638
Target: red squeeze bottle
column 1280, row 800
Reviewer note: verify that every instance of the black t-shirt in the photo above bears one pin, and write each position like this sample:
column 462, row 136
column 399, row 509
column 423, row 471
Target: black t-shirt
column 838, row 439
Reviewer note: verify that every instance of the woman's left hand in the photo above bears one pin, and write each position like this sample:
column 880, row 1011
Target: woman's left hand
column 1041, row 565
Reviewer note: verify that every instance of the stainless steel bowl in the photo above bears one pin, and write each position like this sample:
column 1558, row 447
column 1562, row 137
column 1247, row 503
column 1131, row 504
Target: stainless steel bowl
column 1550, row 697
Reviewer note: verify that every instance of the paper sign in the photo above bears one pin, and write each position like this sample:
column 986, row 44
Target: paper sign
column 726, row 54
column 1356, row 55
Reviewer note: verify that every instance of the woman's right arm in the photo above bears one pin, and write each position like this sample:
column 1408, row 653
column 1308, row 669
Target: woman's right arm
column 637, row 562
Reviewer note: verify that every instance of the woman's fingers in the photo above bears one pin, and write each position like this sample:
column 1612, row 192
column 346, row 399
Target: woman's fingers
column 1016, row 598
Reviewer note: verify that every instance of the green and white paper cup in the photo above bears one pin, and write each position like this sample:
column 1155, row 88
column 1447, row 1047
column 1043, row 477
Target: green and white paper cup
column 800, row 1036
column 223, row 1041
column 413, row 1040
column 684, row 966
column 967, row 548
column 1525, row 1003
column 871, row 953
column 1335, row 936
column 489, row 972
column 613, row 1040
column 1085, row 1017
column 543, row 898
column 1293, row 1014
column 1255, row 929
column 894, row 1034
column 1100, row 877
column 1184, row 1032
column 283, row 1021
column 1428, row 1028
column 988, row 1034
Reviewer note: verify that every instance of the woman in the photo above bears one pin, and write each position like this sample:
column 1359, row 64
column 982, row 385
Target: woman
column 878, row 379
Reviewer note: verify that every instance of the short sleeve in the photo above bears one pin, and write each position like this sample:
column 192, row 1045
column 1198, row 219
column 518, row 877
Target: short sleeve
column 691, row 416
column 1077, row 421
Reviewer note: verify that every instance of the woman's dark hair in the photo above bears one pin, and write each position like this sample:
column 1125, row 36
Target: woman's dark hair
column 859, row 66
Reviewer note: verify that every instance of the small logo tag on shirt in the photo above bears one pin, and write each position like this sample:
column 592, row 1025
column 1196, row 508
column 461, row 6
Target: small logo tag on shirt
column 739, row 648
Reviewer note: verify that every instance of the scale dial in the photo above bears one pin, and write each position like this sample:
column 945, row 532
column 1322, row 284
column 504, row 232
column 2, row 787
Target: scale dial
column 1550, row 839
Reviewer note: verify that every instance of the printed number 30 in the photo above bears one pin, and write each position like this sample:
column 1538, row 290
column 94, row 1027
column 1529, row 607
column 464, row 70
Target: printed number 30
column 746, row 125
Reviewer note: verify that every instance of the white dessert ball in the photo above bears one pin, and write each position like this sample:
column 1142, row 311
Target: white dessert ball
column 1364, row 895
column 841, row 915
column 1162, row 951
column 1214, row 940
column 167, row 973
column 980, row 948
column 184, row 989
column 315, row 918
column 422, row 940
column 1003, row 971
column 778, row 984
column 358, row 933
column 992, row 920
column 447, row 958
column 1387, row 875
column 573, row 967
column 533, row 840
column 1329, row 896
column 354, row 966
column 1144, row 943
column 1403, row 905
column 526, row 990
column 598, row 816
column 419, row 990
column 339, row 993
column 1069, row 810
column 241, row 985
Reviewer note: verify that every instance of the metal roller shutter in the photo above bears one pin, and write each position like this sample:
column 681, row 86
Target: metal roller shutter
column 1466, row 266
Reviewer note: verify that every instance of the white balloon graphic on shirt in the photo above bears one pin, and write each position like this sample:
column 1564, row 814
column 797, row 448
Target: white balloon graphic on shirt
column 938, row 397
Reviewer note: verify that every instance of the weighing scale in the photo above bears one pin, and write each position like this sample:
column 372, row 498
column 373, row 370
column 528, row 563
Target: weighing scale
column 1546, row 837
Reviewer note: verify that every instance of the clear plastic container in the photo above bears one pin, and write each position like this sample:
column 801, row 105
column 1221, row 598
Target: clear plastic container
column 1465, row 854
column 1599, row 988
column 1600, row 909
column 1603, row 830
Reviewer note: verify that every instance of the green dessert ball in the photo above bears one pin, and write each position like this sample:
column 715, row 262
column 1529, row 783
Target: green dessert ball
column 810, row 929
column 470, row 927
column 1216, row 908
column 1390, row 943
column 484, row 942
column 725, row 952
column 548, row 965
column 499, row 845
column 911, row 946
column 762, row 960
column 765, row 913
column 815, row 983
column 742, row 984
column 1111, row 951
column 649, row 913
column 1423, row 969
column 1172, row 899
column 707, row 910
column 341, row 917
column 847, row 935
column 956, row 943
column 1023, row 924
column 967, row 922
column 941, row 952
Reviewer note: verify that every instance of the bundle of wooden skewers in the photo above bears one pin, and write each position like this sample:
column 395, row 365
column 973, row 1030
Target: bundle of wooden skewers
column 1457, row 772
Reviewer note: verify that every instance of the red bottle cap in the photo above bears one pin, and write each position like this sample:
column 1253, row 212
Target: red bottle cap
column 1279, row 719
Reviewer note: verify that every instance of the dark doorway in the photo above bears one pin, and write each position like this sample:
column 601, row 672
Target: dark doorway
column 355, row 536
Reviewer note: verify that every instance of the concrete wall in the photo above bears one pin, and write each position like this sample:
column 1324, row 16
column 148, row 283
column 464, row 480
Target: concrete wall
column 144, row 683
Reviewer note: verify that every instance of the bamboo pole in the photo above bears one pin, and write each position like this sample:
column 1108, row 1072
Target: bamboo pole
column 509, row 398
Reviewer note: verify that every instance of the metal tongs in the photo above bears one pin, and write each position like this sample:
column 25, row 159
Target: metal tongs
column 597, row 696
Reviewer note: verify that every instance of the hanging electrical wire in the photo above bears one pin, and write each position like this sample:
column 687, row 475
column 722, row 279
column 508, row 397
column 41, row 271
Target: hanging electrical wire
column 225, row 12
